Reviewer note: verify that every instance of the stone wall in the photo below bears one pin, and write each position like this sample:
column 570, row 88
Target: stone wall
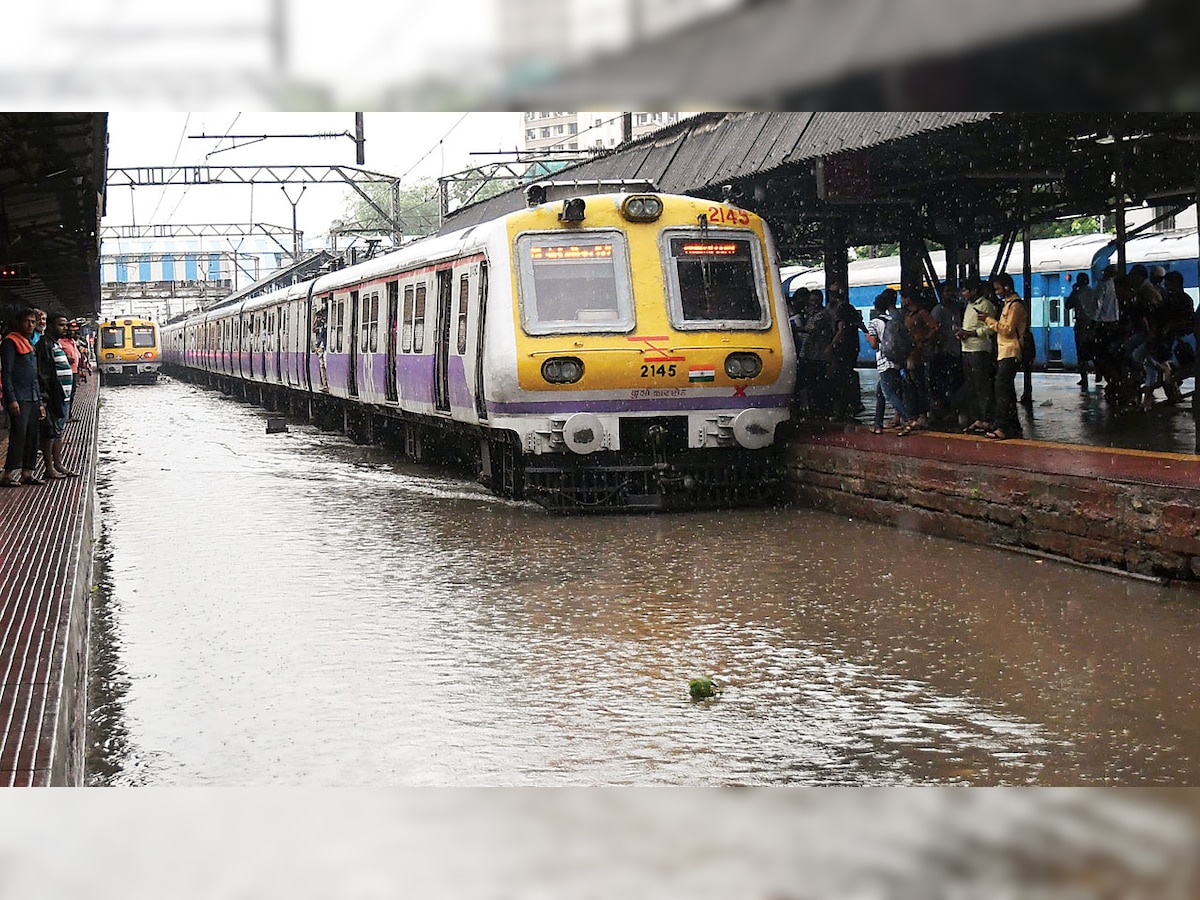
column 1141, row 515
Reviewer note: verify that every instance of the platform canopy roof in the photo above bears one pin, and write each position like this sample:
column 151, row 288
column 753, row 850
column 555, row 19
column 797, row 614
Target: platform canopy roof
column 52, row 173
column 877, row 175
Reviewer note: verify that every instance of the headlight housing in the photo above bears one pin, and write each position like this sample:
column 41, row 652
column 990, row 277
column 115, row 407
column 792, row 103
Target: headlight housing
column 562, row 369
column 641, row 208
column 743, row 365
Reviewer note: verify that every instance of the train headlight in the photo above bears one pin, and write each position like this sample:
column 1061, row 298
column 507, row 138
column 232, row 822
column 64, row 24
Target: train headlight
column 574, row 210
column 110, row 356
column 562, row 369
column 743, row 365
column 641, row 208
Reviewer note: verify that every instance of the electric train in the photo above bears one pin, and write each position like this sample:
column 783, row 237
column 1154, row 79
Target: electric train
column 602, row 351
column 128, row 351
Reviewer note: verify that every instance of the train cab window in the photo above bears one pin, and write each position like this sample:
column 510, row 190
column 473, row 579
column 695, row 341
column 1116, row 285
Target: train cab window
column 576, row 282
column 111, row 337
column 715, row 280
column 406, row 335
column 364, row 319
column 143, row 336
column 464, row 293
column 419, row 320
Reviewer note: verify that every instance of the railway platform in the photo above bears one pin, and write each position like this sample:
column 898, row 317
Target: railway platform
column 47, row 539
column 1117, row 492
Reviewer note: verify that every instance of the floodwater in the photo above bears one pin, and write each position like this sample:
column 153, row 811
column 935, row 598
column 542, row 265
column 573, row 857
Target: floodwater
column 293, row 609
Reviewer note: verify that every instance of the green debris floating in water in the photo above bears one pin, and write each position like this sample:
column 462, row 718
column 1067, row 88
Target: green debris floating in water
column 702, row 688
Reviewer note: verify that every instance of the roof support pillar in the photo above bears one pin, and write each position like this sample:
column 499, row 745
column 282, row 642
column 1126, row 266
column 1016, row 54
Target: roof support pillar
column 1119, row 180
column 837, row 259
column 912, row 255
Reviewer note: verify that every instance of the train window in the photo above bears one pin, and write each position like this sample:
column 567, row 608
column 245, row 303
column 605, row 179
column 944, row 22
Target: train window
column 375, row 321
column 716, row 280
column 464, row 292
column 419, row 320
column 112, row 337
column 406, row 335
column 364, row 322
column 143, row 336
column 576, row 282
column 339, row 323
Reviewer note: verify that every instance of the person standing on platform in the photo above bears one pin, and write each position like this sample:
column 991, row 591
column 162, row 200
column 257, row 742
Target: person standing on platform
column 22, row 400
column 889, row 388
column 1082, row 304
column 945, row 365
column 978, row 356
column 54, row 377
column 74, row 357
column 1009, row 329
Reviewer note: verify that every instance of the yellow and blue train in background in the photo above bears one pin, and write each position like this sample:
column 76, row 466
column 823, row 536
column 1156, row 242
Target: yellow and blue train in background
column 591, row 351
column 128, row 351
column 1055, row 262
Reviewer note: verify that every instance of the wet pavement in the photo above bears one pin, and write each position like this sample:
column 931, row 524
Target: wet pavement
column 293, row 609
column 1062, row 413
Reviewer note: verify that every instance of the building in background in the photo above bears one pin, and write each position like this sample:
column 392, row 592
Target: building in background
column 588, row 130
column 158, row 278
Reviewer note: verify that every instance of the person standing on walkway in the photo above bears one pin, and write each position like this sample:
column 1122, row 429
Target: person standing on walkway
column 1082, row 303
column 889, row 388
column 1009, row 329
column 978, row 355
column 57, row 385
column 22, row 400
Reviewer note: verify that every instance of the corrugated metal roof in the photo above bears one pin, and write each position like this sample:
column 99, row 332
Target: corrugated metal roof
column 781, row 132
column 831, row 133
column 707, row 150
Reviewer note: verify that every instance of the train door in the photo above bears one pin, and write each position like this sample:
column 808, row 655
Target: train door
column 1052, row 320
column 393, row 327
column 441, row 347
column 280, row 317
column 352, row 377
column 251, row 332
column 480, row 400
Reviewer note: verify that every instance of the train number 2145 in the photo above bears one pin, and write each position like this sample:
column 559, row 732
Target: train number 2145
column 659, row 371
column 723, row 215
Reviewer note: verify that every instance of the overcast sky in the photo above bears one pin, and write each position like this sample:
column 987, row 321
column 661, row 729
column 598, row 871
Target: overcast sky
column 408, row 144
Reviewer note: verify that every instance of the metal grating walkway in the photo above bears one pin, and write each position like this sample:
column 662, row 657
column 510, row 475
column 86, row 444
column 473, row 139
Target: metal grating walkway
column 46, row 544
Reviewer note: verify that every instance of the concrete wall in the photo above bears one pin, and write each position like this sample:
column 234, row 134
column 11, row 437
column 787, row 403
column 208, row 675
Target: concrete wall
column 1132, row 511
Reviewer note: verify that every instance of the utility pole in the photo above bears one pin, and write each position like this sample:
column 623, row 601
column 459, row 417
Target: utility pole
column 295, row 233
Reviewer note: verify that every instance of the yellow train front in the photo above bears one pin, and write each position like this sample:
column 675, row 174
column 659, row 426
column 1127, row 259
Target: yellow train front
column 651, row 360
column 128, row 351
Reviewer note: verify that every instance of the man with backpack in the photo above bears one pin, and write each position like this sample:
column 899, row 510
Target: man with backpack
column 889, row 338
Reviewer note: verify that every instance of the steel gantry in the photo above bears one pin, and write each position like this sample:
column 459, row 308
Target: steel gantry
column 245, row 229
column 186, row 176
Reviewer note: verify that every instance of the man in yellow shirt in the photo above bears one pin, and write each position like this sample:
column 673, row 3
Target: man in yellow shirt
column 1009, row 328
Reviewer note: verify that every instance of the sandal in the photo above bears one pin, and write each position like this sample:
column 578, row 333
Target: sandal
column 67, row 473
column 997, row 435
column 876, row 430
column 908, row 429
column 33, row 479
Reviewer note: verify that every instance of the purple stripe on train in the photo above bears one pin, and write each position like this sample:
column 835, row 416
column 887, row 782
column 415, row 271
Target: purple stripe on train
column 642, row 404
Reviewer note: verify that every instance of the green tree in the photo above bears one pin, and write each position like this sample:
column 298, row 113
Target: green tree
column 417, row 212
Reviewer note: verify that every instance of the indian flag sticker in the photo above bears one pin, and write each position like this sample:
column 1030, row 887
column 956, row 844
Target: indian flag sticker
column 699, row 374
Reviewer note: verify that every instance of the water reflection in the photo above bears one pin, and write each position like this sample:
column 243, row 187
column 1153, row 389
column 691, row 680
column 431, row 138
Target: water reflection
column 294, row 609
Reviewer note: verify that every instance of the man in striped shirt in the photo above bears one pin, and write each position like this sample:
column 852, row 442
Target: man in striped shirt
column 57, row 383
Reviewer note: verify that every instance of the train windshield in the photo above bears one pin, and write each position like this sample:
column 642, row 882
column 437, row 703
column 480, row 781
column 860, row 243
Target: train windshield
column 143, row 336
column 576, row 282
column 716, row 281
column 112, row 337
